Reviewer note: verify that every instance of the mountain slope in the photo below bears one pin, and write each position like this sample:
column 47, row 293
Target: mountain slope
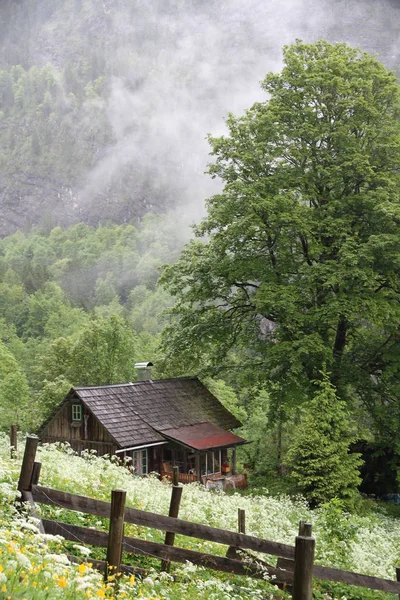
column 104, row 105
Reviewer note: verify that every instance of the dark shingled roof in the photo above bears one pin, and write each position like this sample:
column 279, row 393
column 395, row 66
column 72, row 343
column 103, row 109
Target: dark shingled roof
column 113, row 407
column 135, row 413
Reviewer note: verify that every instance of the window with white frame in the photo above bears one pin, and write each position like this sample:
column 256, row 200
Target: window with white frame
column 140, row 462
column 77, row 413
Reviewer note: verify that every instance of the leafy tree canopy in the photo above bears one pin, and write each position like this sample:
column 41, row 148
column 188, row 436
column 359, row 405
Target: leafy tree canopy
column 14, row 391
column 297, row 263
column 102, row 353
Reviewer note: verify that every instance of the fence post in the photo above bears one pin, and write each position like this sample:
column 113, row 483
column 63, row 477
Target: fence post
column 398, row 576
column 305, row 529
column 303, row 564
column 241, row 520
column 116, row 532
column 173, row 512
column 25, row 477
column 36, row 473
column 13, row 441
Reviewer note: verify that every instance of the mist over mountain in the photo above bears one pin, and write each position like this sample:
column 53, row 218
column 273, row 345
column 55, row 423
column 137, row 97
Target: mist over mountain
column 105, row 104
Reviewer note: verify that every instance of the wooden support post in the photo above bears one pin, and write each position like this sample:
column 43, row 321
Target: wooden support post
column 198, row 467
column 13, row 441
column 185, row 461
column 241, row 520
column 398, row 576
column 173, row 512
column 25, row 477
column 303, row 564
column 36, row 473
column 233, row 461
column 116, row 532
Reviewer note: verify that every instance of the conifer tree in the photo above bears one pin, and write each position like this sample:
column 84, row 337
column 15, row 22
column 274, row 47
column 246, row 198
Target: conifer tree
column 319, row 454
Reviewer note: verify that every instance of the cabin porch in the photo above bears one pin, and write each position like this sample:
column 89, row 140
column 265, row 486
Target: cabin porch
column 209, row 465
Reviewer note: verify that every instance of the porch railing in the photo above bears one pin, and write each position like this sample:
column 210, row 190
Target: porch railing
column 238, row 481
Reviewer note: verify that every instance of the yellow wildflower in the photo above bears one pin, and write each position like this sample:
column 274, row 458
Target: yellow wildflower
column 4, row 588
column 82, row 568
column 101, row 594
column 132, row 580
column 62, row 582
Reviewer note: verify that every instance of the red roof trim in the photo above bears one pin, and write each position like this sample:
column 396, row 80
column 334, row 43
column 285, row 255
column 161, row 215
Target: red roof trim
column 203, row 436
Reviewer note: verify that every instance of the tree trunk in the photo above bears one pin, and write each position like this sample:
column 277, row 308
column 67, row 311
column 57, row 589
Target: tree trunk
column 338, row 349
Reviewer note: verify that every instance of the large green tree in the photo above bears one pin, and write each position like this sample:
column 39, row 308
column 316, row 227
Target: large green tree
column 297, row 262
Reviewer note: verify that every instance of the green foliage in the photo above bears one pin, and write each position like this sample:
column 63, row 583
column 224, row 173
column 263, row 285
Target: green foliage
column 51, row 394
column 339, row 530
column 262, row 454
column 14, row 391
column 146, row 308
column 52, row 109
column 297, row 261
column 227, row 396
column 319, row 455
column 92, row 265
column 102, row 353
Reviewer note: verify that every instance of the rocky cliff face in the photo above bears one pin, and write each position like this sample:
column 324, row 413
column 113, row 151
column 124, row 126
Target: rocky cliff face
column 105, row 118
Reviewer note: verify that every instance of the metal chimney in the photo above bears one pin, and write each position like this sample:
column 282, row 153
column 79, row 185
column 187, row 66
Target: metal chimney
column 143, row 371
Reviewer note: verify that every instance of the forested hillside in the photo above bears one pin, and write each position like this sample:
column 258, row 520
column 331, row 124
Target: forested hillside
column 78, row 306
column 104, row 106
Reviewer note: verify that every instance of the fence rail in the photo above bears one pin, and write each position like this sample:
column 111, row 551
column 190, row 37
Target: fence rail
column 166, row 553
column 295, row 568
column 101, row 508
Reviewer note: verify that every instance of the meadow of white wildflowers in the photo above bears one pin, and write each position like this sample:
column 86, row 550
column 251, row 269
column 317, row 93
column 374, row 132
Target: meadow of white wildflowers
column 33, row 566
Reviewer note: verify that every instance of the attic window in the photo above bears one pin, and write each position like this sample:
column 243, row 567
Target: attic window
column 76, row 413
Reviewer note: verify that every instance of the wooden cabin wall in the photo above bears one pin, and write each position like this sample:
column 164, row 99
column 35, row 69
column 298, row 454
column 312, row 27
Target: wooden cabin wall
column 92, row 437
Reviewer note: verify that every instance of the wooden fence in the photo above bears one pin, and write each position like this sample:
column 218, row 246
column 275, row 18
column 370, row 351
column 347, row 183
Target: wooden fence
column 295, row 567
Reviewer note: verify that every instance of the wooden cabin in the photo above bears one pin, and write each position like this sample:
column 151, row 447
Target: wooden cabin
column 154, row 425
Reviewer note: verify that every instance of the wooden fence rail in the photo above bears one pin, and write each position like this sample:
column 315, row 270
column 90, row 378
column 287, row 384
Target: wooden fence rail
column 156, row 521
column 295, row 566
column 167, row 553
